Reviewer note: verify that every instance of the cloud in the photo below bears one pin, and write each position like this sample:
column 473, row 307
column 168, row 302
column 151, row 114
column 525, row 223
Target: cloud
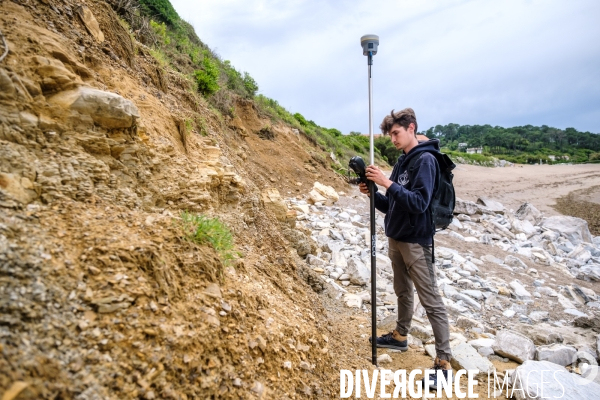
column 504, row 63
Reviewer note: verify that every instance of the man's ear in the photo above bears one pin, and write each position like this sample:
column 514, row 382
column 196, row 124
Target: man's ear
column 412, row 126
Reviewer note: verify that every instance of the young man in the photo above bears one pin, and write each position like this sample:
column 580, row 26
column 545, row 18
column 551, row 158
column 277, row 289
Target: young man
column 410, row 229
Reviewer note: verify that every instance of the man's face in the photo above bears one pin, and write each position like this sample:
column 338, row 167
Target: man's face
column 402, row 137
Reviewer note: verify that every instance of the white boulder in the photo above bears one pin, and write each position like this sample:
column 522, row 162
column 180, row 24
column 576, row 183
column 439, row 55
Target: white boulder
column 557, row 353
column 359, row 273
column 514, row 345
column 558, row 383
column 575, row 229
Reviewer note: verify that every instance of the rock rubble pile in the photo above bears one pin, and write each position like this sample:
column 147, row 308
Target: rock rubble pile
column 515, row 284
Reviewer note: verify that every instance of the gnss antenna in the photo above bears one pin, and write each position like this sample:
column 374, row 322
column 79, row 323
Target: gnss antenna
column 369, row 45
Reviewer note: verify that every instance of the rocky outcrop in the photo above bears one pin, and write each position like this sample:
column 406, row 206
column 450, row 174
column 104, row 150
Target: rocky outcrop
column 108, row 110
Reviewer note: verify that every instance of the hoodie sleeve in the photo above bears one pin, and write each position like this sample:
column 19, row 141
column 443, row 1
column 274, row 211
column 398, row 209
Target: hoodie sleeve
column 381, row 202
column 417, row 199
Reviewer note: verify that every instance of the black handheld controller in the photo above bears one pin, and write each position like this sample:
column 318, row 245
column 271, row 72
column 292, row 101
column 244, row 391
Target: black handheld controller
column 357, row 165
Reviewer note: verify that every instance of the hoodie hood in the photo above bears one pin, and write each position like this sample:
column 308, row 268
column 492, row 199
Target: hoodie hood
column 431, row 145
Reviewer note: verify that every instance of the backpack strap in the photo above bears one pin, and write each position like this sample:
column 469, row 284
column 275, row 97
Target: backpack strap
column 410, row 167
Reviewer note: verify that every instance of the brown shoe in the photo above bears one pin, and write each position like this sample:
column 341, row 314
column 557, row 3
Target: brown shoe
column 443, row 364
column 446, row 369
column 392, row 340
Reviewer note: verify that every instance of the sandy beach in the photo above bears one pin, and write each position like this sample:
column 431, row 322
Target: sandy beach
column 540, row 185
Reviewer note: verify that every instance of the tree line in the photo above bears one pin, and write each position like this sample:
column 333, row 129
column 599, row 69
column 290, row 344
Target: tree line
column 520, row 144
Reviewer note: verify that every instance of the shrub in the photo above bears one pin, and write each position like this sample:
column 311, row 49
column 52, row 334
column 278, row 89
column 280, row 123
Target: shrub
column 160, row 29
column 334, row 132
column 161, row 10
column 244, row 85
column 202, row 230
column 207, row 78
column 250, row 85
column 300, row 118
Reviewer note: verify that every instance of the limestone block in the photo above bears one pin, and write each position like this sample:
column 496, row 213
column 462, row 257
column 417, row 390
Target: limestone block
column 423, row 333
column 575, row 229
column 274, row 203
column 514, row 262
column 465, row 207
column 557, row 353
column 54, row 76
column 558, row 382
column 548, row 291
column 359, row 273
column 469, row 301
column 464, row 356
column 383, row 262
column 525, row 227
column 527, row 212
column 495, row 227
column 17, row 187
column 315, row 261
column 108, row 110
column 589, row 272
column 327, row 192
column 580, row 253
column 520, row 292
column 304, row 208
column 515, row 346
column 353, row 300
column 483, row 342
column 90, row 23
column 493, row 205
column 315, row 197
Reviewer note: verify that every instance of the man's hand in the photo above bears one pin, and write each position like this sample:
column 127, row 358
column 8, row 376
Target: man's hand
column 376, row 175
column 364, row 189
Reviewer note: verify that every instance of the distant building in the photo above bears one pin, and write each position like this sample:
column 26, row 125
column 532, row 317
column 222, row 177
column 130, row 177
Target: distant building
column 462, row 145
column 475, row 150
column 552, row 157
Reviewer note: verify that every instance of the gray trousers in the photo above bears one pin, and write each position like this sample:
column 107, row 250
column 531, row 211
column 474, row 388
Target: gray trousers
column 412, row 265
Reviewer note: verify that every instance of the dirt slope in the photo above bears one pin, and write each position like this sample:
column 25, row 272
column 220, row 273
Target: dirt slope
column 100, row 297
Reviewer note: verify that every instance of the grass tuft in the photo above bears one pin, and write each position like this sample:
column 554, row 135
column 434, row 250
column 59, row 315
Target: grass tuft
column 203, row 230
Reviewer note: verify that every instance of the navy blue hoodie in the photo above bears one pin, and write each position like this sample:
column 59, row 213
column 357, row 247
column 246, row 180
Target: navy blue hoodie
column 406, row 202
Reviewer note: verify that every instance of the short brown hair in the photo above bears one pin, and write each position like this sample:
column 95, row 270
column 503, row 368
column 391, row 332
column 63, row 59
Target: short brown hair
column 403, row 118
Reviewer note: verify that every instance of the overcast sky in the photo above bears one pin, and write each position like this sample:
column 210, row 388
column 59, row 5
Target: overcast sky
column 507, row 63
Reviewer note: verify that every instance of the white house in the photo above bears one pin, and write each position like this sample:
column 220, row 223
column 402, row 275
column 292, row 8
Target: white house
column 475, row 150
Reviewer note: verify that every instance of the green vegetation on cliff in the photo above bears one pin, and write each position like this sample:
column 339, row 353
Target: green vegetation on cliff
column 175, row 44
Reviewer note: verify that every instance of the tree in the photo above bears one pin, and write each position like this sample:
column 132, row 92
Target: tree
column 250, row 85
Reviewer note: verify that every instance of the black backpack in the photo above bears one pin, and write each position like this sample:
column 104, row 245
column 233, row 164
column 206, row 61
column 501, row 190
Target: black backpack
column 444, row 198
